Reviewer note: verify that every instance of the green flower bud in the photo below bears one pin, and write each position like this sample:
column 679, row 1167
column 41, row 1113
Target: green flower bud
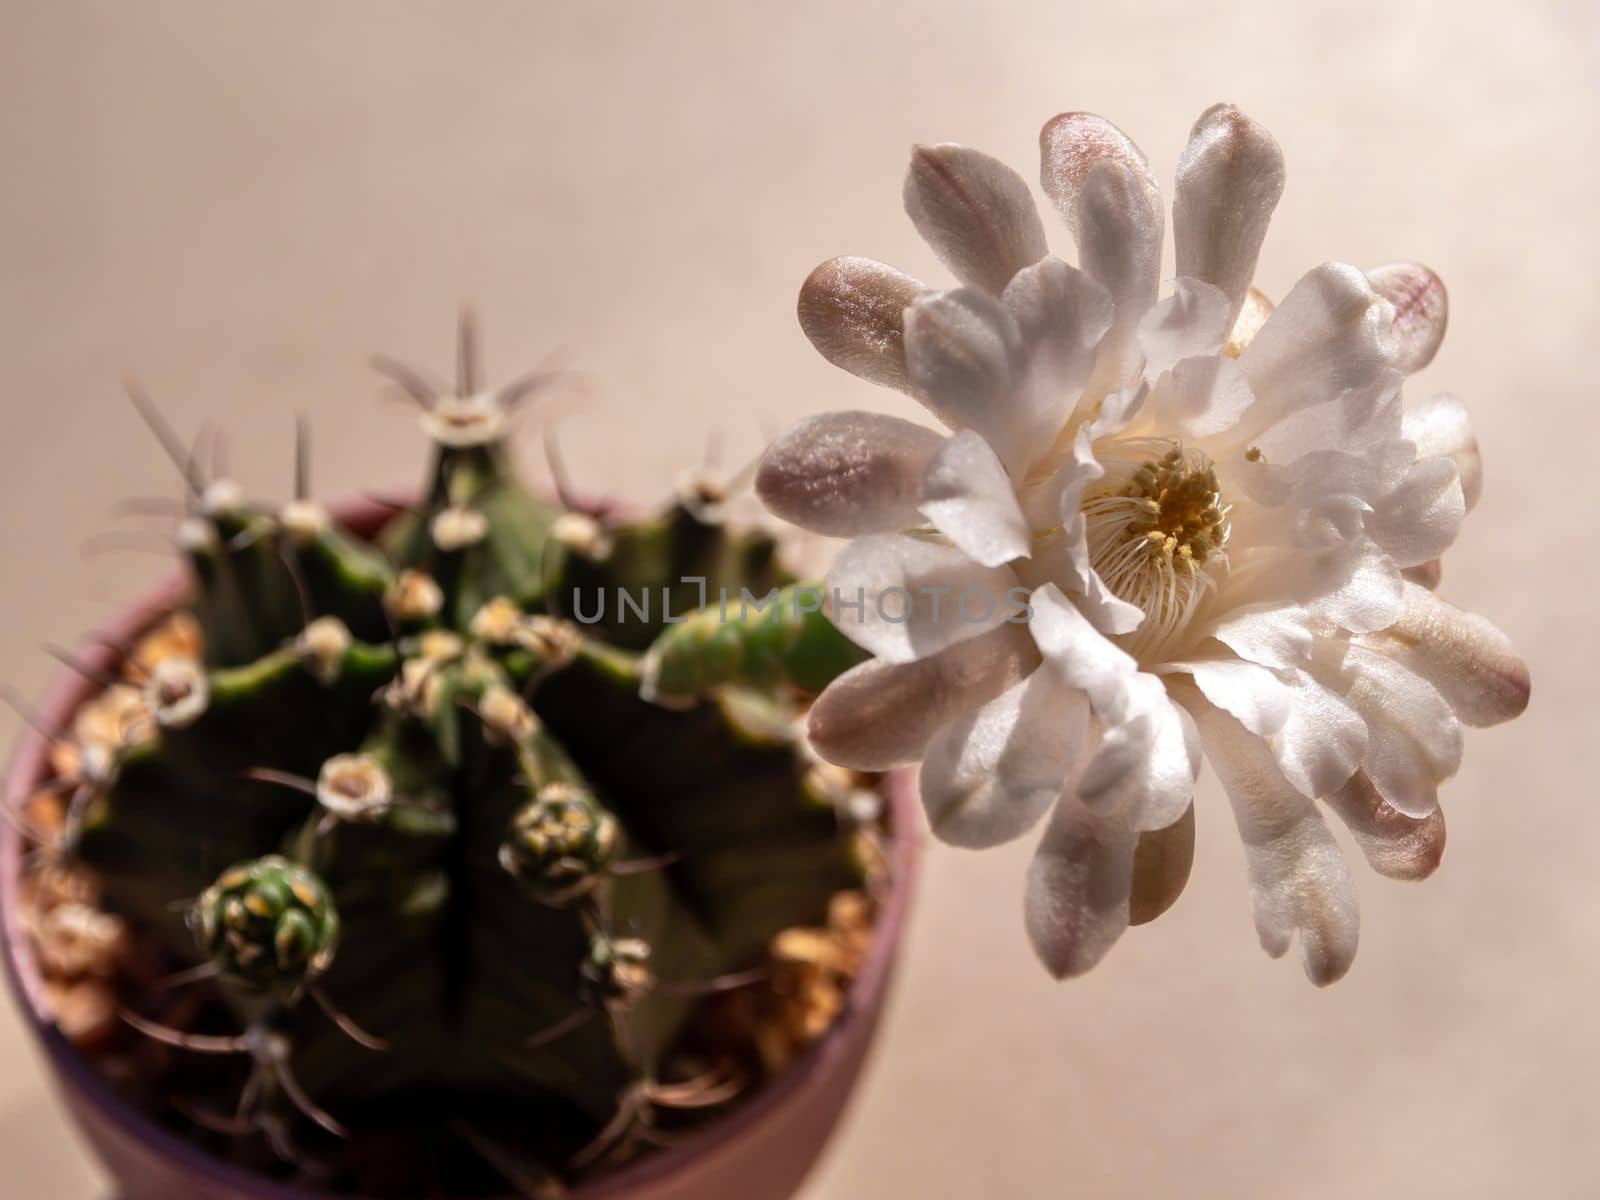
column 559, row 843
column 268, row 924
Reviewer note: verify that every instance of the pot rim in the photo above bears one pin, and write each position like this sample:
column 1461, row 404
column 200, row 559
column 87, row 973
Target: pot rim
column 28, row 764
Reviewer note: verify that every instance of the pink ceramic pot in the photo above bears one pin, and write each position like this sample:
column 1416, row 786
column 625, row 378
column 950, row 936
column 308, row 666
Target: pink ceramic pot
column 761, row 1151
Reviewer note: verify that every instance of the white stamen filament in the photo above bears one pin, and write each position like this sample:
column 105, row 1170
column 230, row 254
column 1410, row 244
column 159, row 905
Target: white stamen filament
column 1157, row 532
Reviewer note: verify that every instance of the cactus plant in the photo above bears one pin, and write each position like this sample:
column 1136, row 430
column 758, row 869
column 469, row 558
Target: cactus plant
column 455, row 829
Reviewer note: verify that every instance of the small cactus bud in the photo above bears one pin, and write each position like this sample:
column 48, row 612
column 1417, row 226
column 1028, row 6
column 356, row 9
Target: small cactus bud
column 478, row 670
column 440, row 646
column 354, row 787
column 413, row 596
column 560, row 842
column 177, row 692
column 497, row 621
column 322, row 646
column 268, row 924
column 197, row 536
column 582, row 535
column 456, row 528
column 415, row 689
column 462, row 421
column 702, row 492
column 222, row 498
column 304, row 521
column 506, row 715
column 617, row 972
column 552, row 641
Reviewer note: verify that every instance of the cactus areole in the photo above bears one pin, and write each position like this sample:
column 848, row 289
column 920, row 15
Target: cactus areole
column 434, row 888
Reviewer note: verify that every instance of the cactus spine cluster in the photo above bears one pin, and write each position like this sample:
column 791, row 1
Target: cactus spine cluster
column 460, row 865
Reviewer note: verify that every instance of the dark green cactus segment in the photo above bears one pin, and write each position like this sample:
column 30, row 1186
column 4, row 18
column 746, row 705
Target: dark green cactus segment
column 479, row 533
column 267, row 924
column 182, row 806
column 780, row 640
column 260, row 576
column 729, row 794
column 559, row 843
column 255, row 602
column 245, row 598
column 342, row 577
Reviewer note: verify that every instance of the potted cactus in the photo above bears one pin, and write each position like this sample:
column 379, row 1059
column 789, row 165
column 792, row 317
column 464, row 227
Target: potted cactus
column 444, row 848
column 479, row 835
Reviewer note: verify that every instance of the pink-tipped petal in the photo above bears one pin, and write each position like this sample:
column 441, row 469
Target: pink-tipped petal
column 1469, row 661
column 976, row 213
column 1395, row 845
column 1069, row 146
column 1421, row 311
column 881, row 714
column 853, row 310
column 1230, row 178
column 1119, row 244
column 847, row 473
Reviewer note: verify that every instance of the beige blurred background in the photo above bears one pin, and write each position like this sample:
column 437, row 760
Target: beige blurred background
column 238, row 202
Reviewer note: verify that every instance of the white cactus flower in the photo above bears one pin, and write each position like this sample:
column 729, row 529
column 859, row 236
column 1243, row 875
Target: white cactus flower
column 1160, row 528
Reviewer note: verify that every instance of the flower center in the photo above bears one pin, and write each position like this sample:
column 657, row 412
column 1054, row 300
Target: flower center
column 1157, row 531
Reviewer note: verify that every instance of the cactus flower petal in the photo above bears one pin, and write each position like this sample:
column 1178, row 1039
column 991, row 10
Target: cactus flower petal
column 1216, row 511
column 846, row 474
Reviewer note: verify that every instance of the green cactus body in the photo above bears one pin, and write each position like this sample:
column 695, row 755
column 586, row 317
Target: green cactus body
column 405, row 781
column 781, row 639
